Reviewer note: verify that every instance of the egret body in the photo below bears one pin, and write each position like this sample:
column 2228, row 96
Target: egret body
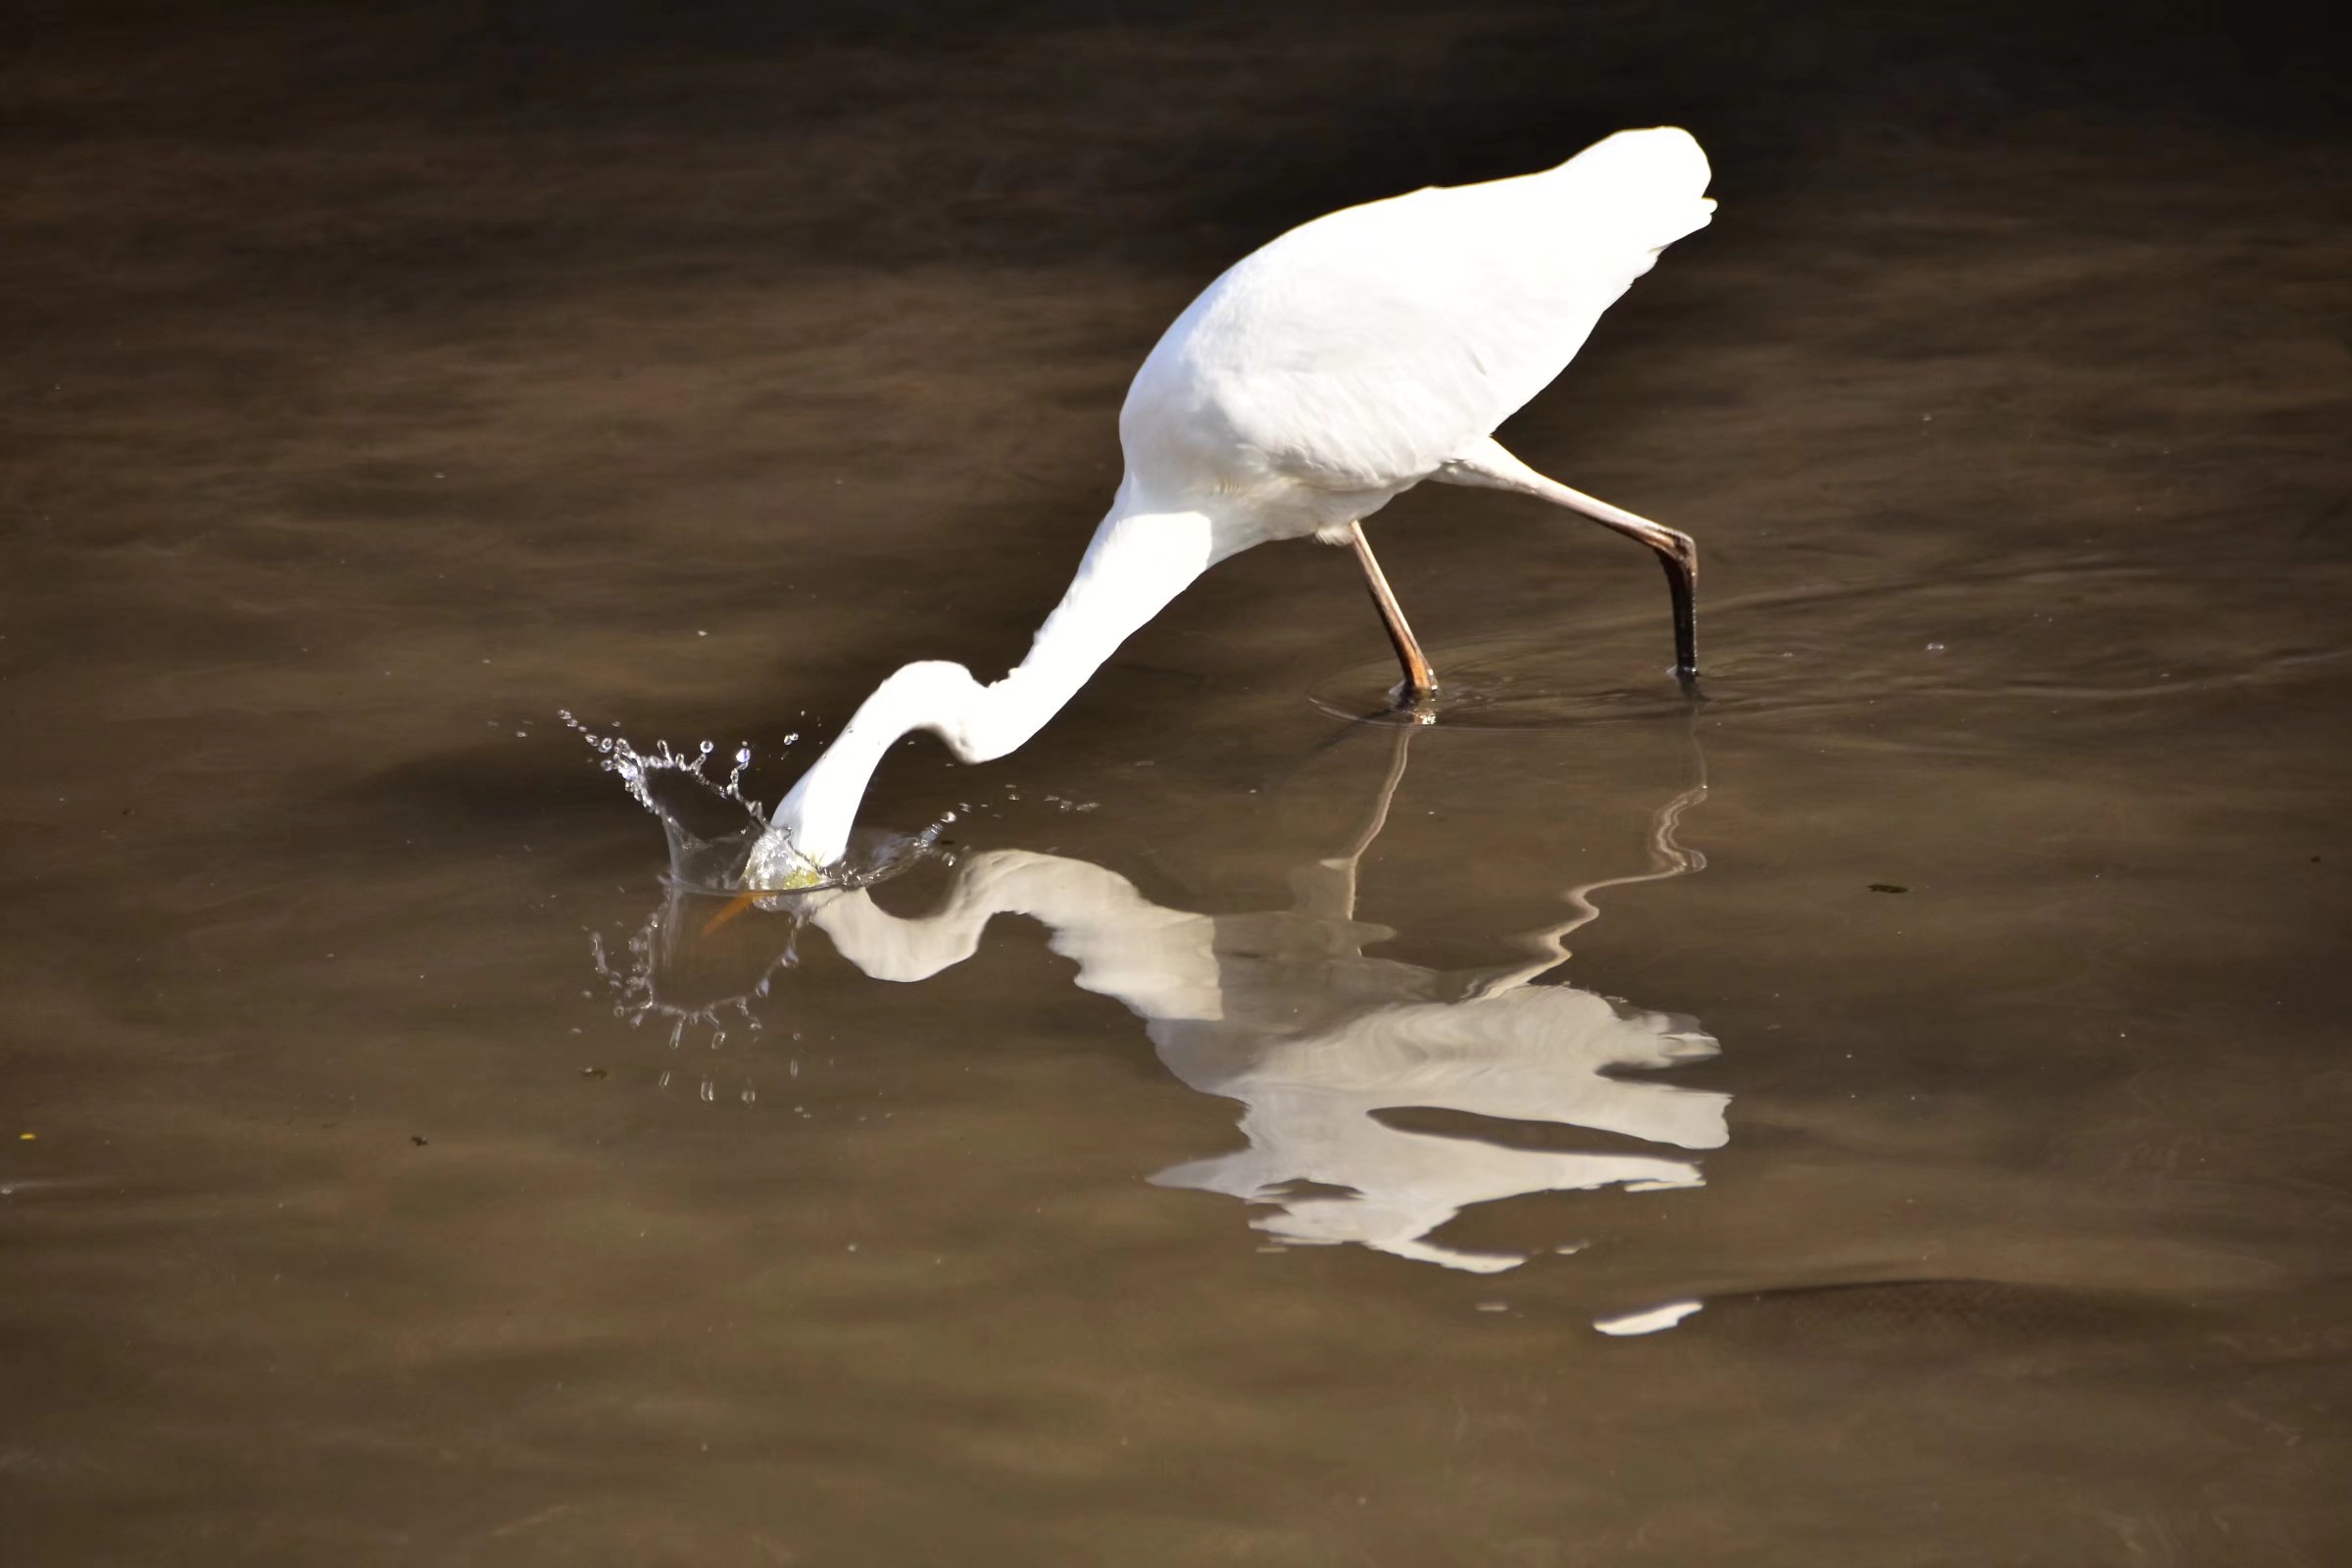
column 1319, row 378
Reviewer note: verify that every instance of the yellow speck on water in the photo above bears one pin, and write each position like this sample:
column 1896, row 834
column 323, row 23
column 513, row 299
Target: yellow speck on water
column 27, row 1138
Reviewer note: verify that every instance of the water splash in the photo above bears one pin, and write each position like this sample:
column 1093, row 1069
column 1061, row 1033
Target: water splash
column 637, row 770
column 713, row 825
column 690, row 970
column 634, row 978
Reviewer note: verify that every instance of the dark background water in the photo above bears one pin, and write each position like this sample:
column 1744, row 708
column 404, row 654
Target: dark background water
column 381, row 380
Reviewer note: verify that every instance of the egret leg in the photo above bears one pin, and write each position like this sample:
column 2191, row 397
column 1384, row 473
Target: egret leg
column 1486, row 465
column 1420, row 681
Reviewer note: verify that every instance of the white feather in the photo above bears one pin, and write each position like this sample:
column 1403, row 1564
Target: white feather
column 1320, row 378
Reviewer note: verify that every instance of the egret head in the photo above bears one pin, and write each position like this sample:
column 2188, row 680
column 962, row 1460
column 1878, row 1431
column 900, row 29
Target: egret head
column 775, row 865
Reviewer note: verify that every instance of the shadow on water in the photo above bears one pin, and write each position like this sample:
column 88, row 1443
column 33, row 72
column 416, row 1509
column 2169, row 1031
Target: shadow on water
column 1372, row 1088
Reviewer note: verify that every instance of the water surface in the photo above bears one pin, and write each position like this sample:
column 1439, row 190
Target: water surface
column 1232, row 1146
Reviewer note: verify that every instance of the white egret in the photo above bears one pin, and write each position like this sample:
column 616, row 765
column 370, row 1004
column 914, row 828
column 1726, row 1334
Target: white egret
column 1319, row 378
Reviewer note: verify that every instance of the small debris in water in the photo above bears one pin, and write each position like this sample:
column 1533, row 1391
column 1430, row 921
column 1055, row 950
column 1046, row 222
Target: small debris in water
column 594, row 1072
column 415, row 1139
column 1889, row 887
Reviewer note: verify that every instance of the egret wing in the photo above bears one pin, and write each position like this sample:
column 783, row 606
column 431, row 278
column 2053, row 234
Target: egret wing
column 1361, row 350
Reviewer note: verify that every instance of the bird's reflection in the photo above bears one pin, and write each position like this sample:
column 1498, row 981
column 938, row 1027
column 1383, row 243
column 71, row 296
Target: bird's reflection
column 1339, row 1058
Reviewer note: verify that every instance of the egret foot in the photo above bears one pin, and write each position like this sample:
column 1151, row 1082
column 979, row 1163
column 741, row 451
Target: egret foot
column 1419, row 706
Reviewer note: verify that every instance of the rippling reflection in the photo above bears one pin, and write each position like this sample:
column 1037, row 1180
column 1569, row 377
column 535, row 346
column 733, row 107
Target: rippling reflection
column 1329, row 1049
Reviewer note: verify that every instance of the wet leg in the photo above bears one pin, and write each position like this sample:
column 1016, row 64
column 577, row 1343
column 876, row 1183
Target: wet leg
column 1420, row 681
column 1488, row 466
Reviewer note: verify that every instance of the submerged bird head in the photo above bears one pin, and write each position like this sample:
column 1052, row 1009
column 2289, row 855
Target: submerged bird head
column 776, row 865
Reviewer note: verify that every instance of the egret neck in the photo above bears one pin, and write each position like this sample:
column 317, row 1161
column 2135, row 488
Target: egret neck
column 1139, row 559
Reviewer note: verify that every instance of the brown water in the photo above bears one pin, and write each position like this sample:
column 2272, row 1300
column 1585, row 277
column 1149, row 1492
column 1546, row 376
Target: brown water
column 1963, row 1020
